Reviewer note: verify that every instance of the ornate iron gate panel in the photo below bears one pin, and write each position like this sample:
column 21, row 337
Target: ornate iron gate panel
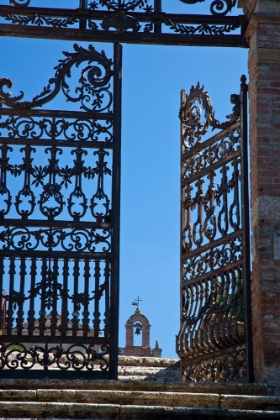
column 214, row 339
column 128, row 21
column 59, row 217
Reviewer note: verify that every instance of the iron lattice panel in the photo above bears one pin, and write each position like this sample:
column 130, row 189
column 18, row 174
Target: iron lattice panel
column 133, row 21
column 59, row 218
column 212, row 338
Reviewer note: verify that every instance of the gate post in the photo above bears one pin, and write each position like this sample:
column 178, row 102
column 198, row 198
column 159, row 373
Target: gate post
column 263, row 34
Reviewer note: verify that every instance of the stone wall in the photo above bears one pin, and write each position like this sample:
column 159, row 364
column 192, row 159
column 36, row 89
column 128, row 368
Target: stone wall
column 263, row 34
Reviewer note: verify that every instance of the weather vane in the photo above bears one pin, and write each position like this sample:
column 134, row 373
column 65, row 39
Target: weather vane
column 136, row 302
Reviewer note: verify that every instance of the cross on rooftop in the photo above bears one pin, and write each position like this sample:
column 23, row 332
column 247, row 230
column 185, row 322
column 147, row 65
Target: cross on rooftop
column 136, row 302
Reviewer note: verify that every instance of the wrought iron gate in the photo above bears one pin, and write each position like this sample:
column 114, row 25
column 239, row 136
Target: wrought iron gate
column 214, row 342
column 60, row 193
column 59, row 219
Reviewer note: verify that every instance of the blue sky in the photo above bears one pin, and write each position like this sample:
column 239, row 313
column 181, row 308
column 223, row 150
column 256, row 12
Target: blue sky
column 152, row 79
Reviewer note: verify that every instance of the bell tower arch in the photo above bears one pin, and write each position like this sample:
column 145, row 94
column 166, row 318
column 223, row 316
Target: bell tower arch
column 137, row 324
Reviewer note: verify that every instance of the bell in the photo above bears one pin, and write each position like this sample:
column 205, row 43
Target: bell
column 137, row 331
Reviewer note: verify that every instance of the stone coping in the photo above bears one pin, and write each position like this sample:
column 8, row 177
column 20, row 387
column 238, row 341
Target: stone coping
column 135, row 385
column 148, row 361
column 11, row 410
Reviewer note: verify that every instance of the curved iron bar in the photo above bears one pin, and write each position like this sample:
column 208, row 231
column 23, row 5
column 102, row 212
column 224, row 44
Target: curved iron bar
column 20, row 2
column 93, row 82
column 217, row 7
column 77, row 357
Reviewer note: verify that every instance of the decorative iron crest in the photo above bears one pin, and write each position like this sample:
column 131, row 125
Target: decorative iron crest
column 197, row 105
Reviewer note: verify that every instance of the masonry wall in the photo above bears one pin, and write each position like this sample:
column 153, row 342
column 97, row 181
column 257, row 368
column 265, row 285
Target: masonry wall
column 264, row 95
column 130, row 349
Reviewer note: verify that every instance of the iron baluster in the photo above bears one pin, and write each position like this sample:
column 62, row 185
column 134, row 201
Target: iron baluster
column 107, row 274
column 85, row 314
column 10, row 312
column 26, row 196
column 97, row 275
column 234, row 210
column 100, row 203
column 18, row 297
column 77, row 201
column 64, row 297
column 53, row 313
column 210, row 224
column 223, row 192
column 31, row 311
column 75, row 299
column 51, row 199
column 2, row 298
column 198, row 225
column 4, row 191
column 188, row 228
column 44, row 275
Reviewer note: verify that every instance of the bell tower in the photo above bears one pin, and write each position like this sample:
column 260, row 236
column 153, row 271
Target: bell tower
column 138, row 324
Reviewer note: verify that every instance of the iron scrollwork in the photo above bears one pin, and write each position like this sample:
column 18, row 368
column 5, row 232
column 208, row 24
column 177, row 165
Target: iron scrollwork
column 203, row 29
column 212, row 255
column 133, row 20
column 76, row 357
column 40, row 20
column 52, row 179
column 93, row 83
column 67, row 239
column 191, row 114
column 123, row 5
column 218, row 7
column 56, row 220
column 226, row 368
column 79, row 129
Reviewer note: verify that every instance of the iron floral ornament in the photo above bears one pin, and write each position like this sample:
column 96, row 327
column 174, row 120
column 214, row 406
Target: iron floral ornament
column 123, row 5
column 132, row 21
column 218, row 7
